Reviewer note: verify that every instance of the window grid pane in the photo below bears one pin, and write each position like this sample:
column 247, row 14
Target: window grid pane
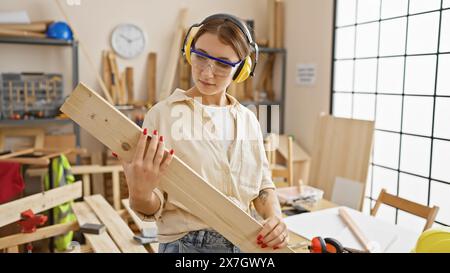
column 396, row 73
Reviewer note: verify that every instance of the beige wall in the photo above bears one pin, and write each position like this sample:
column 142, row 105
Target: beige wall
column 309, row 27
column 308, row 39
column 94, row 19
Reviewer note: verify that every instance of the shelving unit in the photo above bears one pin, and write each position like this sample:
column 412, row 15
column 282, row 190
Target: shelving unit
column 75, row 75
column 281, row 101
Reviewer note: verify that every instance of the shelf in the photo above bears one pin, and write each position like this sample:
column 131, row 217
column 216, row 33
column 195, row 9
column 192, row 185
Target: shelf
column 38, row 121
column 272, row 50
column 266, row 102
column 36, row 41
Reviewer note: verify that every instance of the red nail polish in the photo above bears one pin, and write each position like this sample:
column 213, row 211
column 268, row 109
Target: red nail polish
column 258, row 242
column 263, row 245
column 114, row 154
column 259, row 237
column 172, row 152
column 161, row 138
column 275, row 247
column 145, row 132
column 155, row 132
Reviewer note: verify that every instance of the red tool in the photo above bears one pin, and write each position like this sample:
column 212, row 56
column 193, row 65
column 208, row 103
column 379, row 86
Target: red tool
column 329, row 245
column 29, row 221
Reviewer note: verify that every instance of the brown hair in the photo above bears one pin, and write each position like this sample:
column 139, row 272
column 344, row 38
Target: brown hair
column 228, row 32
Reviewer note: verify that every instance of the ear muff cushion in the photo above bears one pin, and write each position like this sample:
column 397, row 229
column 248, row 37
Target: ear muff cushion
column 317, row 245
column 187, row 48
column 244, row 70
column 333, row 246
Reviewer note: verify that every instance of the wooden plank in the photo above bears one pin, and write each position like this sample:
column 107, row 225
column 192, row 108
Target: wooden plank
column 98, row 183
column 172, row 62
column 10, row 212
column 121, row 135
column 37, row 133
column 139, row 223
column 100, row 243
column 151, row 78
column 116, row 189
column 106, row 70
column 80, row 169
column 299, row 153
column 61, row 142
column 271, row 21
column 279, row 23
column 86, row 184
column 117, row 228
column 129, row 80
column 21, row 33
column 341, row 148
column 35, row 27
column 39, row 234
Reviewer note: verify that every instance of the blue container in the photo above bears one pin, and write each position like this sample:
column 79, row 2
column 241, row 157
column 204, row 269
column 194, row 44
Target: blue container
column 60, row 31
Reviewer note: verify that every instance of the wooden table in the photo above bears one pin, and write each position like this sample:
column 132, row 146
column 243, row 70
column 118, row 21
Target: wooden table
column 294, row 239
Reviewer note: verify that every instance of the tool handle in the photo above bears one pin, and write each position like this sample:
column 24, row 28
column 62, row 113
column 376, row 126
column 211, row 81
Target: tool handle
column 355, row 229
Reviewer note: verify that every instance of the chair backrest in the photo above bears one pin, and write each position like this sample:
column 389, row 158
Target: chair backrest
column 341, row 148
column 403, row 204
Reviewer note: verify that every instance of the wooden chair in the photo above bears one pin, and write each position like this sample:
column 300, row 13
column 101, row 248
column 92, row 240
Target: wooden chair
column 411, row 207
column 284, row 171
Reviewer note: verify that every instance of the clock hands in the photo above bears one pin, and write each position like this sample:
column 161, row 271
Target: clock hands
column 126, row 38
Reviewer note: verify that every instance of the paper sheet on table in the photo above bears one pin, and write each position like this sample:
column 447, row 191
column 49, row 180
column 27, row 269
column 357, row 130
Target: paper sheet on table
column 328, row 223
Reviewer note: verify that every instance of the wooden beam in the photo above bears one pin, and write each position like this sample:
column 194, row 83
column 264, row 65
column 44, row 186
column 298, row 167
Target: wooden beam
column 80, row 169
column 129, row 80
column 151, row 78
column 39, row 234
column 100, row 243
column 139, row 223
column 174, row 54
column 121, row 135
column 119, row 230
column 10, row 212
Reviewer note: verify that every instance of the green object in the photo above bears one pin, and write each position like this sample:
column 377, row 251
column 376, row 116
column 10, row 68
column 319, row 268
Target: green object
column 63, row 213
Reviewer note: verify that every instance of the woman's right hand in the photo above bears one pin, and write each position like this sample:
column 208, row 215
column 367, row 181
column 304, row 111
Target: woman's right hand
column 144, row 172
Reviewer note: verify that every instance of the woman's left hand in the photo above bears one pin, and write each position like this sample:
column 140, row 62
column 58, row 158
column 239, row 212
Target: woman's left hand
column 273, row 234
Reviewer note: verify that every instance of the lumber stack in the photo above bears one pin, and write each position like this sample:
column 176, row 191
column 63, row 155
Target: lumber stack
column 34, row 29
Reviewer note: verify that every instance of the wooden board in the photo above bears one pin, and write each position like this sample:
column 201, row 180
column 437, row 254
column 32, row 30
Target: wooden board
column 279, row 23
column 151, row 78
column 62, row 142
column 117, row 228
column 139, row 223
column 39, row 234
column 21, row 33
column 341, row 148
column 174, row 54
column 106, row 70
column 121, row 135
column 129, row 81
column 35, row 27
column 100, row 243
column 37, row 133
column 10, row 212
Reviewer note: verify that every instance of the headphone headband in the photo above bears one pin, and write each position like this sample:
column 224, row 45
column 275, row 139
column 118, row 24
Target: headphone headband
column 244, row 29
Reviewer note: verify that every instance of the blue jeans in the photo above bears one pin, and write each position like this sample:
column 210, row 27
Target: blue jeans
column 200, row 241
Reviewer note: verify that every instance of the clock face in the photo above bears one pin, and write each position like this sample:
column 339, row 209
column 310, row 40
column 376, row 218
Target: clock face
column 128, row 40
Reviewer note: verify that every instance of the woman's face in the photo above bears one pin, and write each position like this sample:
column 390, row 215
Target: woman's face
column 205, row 80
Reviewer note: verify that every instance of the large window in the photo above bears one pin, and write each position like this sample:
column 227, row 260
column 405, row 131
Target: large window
column 392, row 65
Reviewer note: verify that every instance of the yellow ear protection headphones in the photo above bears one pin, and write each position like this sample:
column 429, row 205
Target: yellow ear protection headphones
column 245, row 68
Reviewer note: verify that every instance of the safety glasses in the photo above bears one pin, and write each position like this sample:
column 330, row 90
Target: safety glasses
column 221, row 68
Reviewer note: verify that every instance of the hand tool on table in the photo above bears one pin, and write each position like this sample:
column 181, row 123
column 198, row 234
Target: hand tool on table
column 326, row 245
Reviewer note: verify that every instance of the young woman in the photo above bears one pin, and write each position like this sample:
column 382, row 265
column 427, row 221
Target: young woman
column 216, row 136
